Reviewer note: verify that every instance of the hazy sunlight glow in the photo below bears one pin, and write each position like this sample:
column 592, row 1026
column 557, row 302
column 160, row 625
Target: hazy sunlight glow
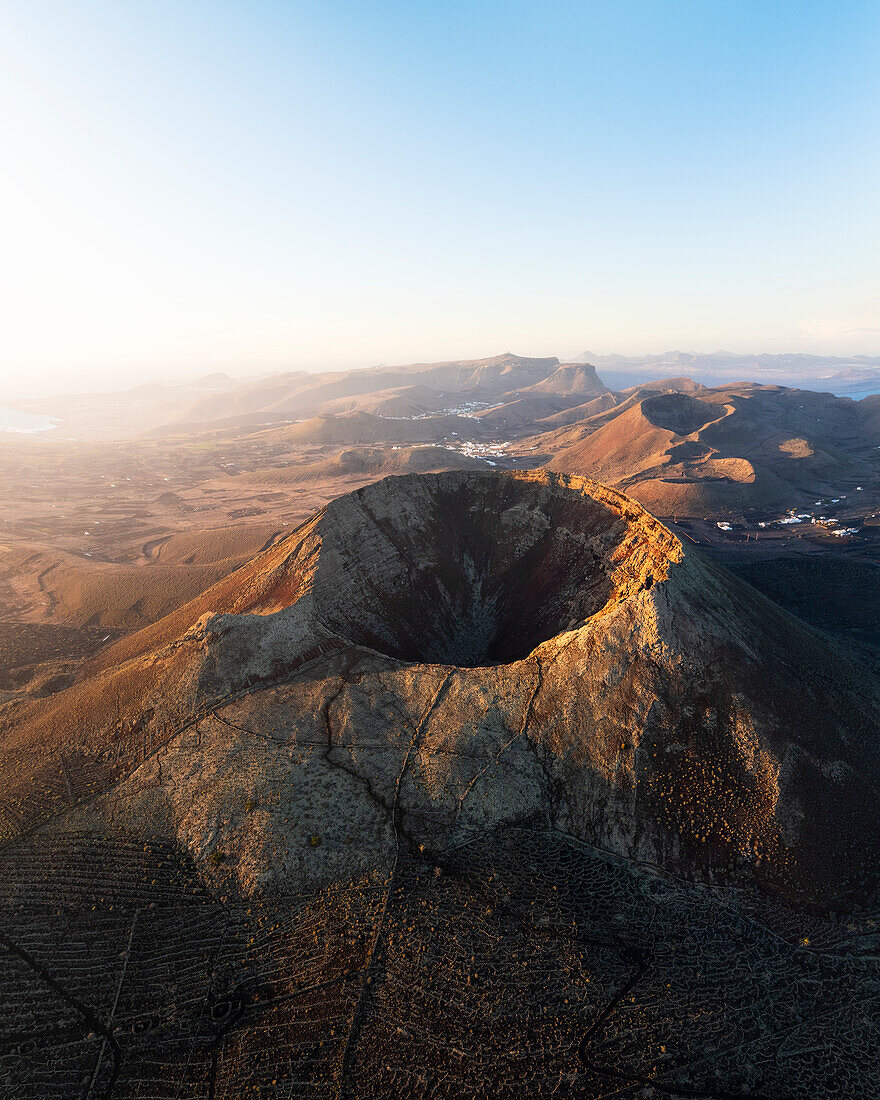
column 193, row 186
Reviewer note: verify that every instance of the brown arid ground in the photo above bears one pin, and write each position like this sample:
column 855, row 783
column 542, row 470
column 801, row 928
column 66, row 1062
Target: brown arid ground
column 481, row 783
column 150, row 497
column 102, row 538
column 475, row 783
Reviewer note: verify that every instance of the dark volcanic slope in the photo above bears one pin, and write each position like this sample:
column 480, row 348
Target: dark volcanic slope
column 840, row 595
column 520, row 964
column 417, row 803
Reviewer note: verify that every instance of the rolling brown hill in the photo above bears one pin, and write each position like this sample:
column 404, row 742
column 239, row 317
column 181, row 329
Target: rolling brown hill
column 366, row 428
column 725, row 450
column 373, row 462
column 69, row 589
column 430, row 386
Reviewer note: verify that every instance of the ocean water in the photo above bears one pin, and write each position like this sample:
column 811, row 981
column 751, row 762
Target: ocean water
column 14, row 420
column 856, row 395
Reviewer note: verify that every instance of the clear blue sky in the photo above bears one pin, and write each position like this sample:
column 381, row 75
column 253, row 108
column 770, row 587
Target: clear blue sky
column 254, row 185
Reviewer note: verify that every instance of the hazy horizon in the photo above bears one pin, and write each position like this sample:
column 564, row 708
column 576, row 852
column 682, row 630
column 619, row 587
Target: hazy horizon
column 22, row 387
column 629, row 363
column 191, row 189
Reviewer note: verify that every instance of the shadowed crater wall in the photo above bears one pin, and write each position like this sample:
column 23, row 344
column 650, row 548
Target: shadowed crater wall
column 470, row 572
column 680, row 413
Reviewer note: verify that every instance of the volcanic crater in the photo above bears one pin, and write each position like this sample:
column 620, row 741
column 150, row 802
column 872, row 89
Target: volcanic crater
column 410, row 783
column 446, row 653
column 473, row 571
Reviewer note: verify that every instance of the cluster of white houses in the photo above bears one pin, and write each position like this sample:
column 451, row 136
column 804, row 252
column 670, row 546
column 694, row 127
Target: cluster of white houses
column 829, row 524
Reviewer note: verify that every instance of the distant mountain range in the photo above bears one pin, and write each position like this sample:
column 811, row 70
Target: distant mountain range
column 647, row 425
column 836, row 373
column 216, row 402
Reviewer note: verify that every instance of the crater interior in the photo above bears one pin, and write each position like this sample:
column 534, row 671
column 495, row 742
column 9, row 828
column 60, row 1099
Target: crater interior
column 468, row 569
